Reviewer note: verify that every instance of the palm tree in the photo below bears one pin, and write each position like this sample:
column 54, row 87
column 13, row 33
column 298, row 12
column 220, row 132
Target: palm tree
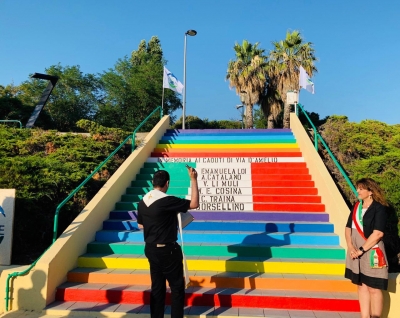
column 248, row 75
column 285, row 61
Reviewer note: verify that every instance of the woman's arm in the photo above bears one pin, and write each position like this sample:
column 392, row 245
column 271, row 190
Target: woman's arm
column 372, row 240
column 350, row 247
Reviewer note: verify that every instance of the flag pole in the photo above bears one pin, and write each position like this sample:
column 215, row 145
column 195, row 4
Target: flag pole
column 162, row 100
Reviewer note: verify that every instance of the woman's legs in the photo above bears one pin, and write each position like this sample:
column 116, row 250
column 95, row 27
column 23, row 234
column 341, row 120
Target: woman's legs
column 371, row 301
column 376, row 302
column 365, row 300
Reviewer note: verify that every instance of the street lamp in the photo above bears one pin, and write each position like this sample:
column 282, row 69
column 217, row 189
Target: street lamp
column 241, row 106
column 191, row 33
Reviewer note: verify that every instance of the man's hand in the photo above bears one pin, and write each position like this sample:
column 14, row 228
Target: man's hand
column 194, row 198
column 192, row 173
column 140, row 226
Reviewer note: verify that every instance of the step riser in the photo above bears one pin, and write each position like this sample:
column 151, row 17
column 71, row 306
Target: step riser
column 244, row 177
column 229, row 190
column 221, row 266
column 228, row 251
column 133, row 297
column 222, row 282
column 234, row 183
column 233, row 206
column 225, row 154
column 232, row 226
column 262, row 239
column 237, row 198
column 241, row 216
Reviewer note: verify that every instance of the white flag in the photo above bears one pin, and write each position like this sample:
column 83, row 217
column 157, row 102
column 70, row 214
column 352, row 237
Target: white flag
column 171, row 82
column 305, row 82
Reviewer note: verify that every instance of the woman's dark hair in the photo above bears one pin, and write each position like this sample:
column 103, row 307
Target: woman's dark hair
column 371, row 185
column 160, row 178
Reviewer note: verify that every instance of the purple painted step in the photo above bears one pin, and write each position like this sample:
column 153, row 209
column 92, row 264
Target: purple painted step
column 260, row 216
column 240, row 216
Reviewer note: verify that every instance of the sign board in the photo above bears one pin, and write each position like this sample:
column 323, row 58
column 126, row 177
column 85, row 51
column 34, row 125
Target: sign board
column 7, row 202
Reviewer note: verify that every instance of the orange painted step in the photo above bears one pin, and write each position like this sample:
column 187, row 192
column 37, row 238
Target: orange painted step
column 287, row 198
column 225, row 154
column 285, row 191
column 226, row 297
column 272, row 170
column 224, row 281
column 289, row 207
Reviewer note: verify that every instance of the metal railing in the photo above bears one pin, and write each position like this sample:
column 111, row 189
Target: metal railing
column 12, row 121
column 317, row 138
column 55, row 227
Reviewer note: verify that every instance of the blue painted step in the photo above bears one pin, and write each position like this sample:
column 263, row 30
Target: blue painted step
column 199, row 225
column 270, row 239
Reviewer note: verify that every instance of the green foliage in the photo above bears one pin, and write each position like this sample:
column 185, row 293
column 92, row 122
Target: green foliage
column 133, row 89
column 76, row 96
column 194, row 122
column 44, row 168
column 314, row 117
column 367, row 149
column 98, row 130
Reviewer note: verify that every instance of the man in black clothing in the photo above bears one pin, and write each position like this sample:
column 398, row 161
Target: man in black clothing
column 157, row 215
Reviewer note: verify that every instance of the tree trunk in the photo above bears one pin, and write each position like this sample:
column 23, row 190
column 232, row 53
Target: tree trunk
column 249, row 116
column 286, row 115
column 271, row 122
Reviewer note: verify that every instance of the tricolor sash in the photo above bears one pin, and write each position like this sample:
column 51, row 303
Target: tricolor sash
column 377, row 258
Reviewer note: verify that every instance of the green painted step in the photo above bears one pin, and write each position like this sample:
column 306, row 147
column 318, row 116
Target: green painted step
column 168, row 165
column 144, row 190
column 173, row 183
column 214, row 142
column 174, row 174
column 289, row 251
column 138, row 197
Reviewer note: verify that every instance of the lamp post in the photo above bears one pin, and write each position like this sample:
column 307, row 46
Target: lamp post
column 191, row 33
column 241, row 106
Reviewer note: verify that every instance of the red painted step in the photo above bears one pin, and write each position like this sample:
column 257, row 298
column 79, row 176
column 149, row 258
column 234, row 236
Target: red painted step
column 212, row 297
column 283, row 183
column 278, row 165
column 289, row 207
column 287, row 198
column 272, row 170
column 271, row 177
column 285, row 190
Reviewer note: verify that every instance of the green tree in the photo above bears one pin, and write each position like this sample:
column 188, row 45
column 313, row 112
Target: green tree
column 133, row 89
column 76, row 96
column 247, row 73
column 284, row 67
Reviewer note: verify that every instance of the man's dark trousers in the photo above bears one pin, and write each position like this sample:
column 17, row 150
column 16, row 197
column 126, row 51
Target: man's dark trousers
column 166, row 264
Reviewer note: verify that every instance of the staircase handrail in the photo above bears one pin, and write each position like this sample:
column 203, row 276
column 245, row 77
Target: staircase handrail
column 318, row 137
column 55, row 227
column 142, row 123
column 11, row 121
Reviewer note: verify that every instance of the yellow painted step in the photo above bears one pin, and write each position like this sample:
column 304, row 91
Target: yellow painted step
column 275, row 267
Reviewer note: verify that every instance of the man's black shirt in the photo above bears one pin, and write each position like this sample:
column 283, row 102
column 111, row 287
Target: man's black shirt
column 157, row 212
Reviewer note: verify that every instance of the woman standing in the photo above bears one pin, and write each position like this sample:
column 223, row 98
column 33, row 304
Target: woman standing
column 366, row 263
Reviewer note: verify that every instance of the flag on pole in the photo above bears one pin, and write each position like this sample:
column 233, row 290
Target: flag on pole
column 171, row 82
column 305, row 82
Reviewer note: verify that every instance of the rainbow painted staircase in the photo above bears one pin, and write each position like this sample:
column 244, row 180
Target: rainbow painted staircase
column 261, row 243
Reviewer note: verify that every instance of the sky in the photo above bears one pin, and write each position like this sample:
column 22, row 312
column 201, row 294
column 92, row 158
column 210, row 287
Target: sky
column 356, row 43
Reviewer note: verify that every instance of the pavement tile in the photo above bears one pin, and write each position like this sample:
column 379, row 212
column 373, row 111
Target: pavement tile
column 276, row 313
column 301, row 314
